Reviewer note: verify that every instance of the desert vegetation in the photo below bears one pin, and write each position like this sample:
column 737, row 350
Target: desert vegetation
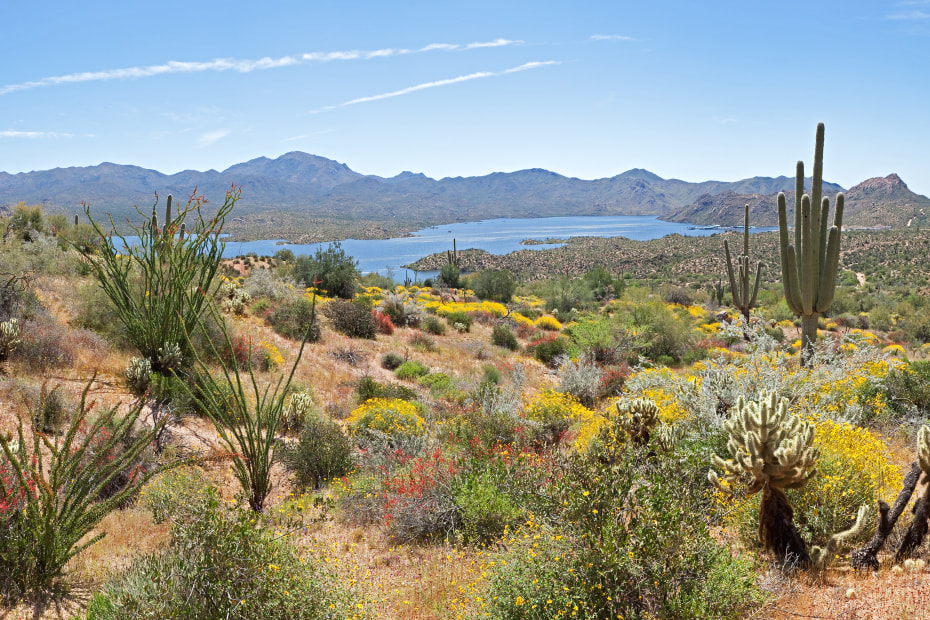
column 297, row 440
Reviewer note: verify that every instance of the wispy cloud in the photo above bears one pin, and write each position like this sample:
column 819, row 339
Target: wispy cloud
column 462, row 78
column 9, row 133
column 309, row 135
column 611, row 37
column 241, row 66
column 212, row 137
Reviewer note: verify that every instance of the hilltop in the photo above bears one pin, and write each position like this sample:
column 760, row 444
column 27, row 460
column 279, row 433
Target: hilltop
column 880, row 202
column 305, row 197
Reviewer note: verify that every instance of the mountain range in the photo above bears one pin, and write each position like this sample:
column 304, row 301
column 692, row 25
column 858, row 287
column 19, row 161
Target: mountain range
column 298, row 187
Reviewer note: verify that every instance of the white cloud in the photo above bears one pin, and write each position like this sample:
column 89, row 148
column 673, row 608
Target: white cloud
column 611, row 37
column 494, row 43
column 239, row 66
column 212, row 137
column 462, row 78
column 9, row 133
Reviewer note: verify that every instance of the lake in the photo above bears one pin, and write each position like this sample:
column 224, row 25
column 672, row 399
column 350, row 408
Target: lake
column 499, row 236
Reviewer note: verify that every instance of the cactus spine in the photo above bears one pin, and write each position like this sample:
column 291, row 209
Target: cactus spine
column 809, row 280
column 744, row 297
column 776, row 449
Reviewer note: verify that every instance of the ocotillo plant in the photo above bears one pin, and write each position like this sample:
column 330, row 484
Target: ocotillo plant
column 744, row 297
column 809, row 265
column 161, row 285
column 776, row 449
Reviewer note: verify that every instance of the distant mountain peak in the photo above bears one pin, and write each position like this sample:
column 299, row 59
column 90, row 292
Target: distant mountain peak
column 888, row 183
column 640, row 173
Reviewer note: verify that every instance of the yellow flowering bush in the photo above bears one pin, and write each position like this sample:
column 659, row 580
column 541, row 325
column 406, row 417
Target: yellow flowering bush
column 894, row 349
column 442, row 309
column 548, row 323
column 391, row 416
column 551, row 406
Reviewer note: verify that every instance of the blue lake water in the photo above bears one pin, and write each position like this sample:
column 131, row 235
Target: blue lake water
column 500, row 236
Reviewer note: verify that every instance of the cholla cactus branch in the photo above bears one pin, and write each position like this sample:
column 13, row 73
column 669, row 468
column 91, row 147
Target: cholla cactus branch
column 867, row 555
column 917, row 531
column 820, row 556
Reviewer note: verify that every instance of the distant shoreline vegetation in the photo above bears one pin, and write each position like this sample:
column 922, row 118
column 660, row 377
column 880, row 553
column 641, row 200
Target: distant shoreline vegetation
column 551, row 240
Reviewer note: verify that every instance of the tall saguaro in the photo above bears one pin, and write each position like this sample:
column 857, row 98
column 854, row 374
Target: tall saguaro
column 744, row 297
column 809, row 265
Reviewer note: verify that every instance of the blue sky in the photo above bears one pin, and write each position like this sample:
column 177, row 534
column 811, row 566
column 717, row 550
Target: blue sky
column 690, row 90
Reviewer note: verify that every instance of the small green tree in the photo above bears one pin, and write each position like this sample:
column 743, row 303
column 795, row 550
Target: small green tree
column 161, row 285
column 495, row 284
column 331, row 269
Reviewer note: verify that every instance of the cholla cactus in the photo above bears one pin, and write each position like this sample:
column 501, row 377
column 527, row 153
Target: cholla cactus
column 234, row 298
column 668, row 436
column 137, row 374
column 169, row 357
column 9, row 338
column 639, row 418
column 292, row 420
column 776, row 449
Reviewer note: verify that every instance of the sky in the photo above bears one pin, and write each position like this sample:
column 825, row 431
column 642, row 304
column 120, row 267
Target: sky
column 690, row 90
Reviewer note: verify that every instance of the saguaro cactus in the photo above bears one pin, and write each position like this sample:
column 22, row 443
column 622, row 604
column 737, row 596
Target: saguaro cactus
column 776, row 449
column 809, row 279
column 744, row 297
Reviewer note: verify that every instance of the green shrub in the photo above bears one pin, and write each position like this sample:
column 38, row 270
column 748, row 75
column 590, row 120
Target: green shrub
column 432, row 324
column 442, row 385
column 330, row 269
column 411, row 369
column 485, row 510
column 629, row 538
column 495, row 284
column 351, row 318
column 391, row 360
column 368, row 389
column 221, row 565
column 503, row 336
column 321, row 453
column 548, row 349
column 170, row 493
column 460, row 318
column 291, row 317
